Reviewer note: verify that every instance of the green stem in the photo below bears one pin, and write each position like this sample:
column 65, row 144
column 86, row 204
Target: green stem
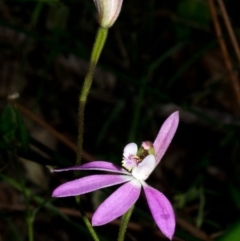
column 124, row 222
column 86, row 220
column 30, row 220
column 96, row 52
column 29, row 214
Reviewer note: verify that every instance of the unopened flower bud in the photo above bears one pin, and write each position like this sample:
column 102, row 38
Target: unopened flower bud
column 108, row 11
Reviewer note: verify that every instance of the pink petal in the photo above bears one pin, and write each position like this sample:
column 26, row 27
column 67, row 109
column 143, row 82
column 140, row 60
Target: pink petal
column 89, row 184
column 144, row 168
column 118, row 203
column 96, row 165
column 161, row 210
column 165, row 135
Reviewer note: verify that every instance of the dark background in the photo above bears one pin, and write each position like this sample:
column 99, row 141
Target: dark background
column 160, row 56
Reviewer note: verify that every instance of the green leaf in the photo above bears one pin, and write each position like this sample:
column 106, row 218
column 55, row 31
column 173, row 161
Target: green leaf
column 192, row 14
column 232, row 234
column 22, row 132
column 12, row 127
column 235, row 194
column 194, row 10
column 8, row 123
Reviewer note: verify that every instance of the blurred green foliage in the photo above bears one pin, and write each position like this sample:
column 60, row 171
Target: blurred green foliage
column 12, row 127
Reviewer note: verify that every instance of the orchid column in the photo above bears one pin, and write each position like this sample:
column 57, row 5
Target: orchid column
column 108, row 11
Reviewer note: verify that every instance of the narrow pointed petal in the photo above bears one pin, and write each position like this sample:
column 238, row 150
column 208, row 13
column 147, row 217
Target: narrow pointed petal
column 89, row 184
column 118, row 203
column 161, row 210
column 165, row 135
column 96, row 165
column 144, row 168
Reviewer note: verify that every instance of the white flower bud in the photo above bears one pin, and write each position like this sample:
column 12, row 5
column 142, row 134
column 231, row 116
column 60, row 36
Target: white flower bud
column 108, row 11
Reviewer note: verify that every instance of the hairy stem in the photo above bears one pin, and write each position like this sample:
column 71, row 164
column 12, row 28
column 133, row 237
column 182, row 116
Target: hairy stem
column 86, row 220
column 96, row 52
column 124, row 223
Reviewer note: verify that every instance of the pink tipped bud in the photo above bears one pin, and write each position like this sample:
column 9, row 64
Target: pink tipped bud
column 147, row 145
column 108, row 11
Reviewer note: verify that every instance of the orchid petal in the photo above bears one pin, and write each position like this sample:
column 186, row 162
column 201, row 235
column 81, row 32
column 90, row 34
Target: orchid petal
column 165, row 135
column 161, row 210
column 96, row 165
column 130, row 149
column 144, row 168
column 89, row 184
column 118, row 203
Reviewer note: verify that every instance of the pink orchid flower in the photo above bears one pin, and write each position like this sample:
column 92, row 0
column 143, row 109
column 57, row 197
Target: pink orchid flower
column 138, row 165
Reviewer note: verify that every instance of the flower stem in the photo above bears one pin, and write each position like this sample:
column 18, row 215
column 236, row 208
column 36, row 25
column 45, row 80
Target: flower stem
column 86, row 220
column 124, row 222
column 26, row 196
column 30, row 220
column 96, row 52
